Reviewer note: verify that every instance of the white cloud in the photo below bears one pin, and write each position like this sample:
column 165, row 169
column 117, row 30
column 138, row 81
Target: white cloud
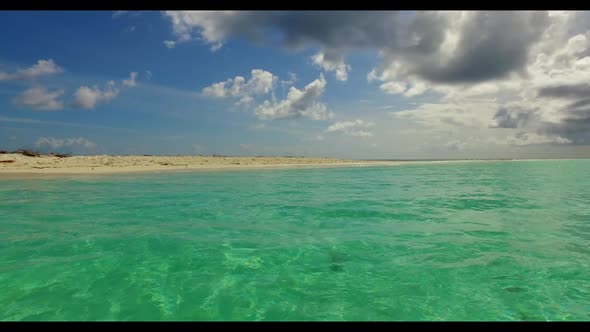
column 57, row 143
column 483, row 72
column 520, row 110
column 450, row 115
column 246, row 100
column 211, row 24
column 351, row 128
column 435, row 46
column 416, row 89
column 88, row 97
column 216, row 47
column 41, row 68
column 260, row 82
column 131, row 81
column 219, row 90
column 40, row 99
column 170, row 43
column 297, row 104
column 332, row 62
column 408, row 88
column 393, row 87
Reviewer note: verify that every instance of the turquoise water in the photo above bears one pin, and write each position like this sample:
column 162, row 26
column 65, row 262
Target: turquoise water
column 472, row 241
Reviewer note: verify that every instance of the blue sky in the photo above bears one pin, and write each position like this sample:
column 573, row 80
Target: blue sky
column 363, row 85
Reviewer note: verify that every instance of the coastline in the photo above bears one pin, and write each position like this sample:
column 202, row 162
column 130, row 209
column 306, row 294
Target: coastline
column 16, row 165
column 19, row 166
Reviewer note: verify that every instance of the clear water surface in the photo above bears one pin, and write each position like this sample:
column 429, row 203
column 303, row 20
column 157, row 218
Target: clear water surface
column 470, row 241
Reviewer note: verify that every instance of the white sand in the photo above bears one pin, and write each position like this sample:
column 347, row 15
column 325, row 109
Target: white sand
column 16, row 164
column 119, row 164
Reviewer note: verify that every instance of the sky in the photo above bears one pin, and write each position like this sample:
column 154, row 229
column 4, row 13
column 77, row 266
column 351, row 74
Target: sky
column 345, row 84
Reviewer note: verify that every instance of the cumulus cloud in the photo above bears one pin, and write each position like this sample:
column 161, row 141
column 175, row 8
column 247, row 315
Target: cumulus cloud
column 566, row 91
column 332, row 61
column 210, row 24
column 57, row 143
column 351, row 128
column 342, row 29
column 88, row 97
column 132, row 80
column 41, row 99
column 261, row 82
column 512, row 118
column 450, row 115
column 447, row 47
column 393, row 87
column 573, row 126
column 490, row 45
column 458, row 48
column 545, row 102
column 407, row 89
column 299, row 103
column 41, row 68
column 563, row 90
column 521, row 74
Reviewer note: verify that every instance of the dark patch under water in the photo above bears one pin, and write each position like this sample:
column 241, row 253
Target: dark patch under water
column 515, row 289
column 336, row 268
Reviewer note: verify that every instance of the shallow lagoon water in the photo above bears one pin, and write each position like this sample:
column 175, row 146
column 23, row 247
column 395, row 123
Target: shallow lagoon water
column 457, row 241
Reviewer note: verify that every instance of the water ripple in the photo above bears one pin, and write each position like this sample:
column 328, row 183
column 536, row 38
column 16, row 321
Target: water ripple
column 479, row 241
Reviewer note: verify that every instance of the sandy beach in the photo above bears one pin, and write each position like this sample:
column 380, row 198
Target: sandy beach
column 12, row 164
column 17, row 164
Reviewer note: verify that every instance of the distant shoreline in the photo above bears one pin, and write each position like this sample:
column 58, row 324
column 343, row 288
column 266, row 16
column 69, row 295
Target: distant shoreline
column 18, row 166
column 495, row 159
